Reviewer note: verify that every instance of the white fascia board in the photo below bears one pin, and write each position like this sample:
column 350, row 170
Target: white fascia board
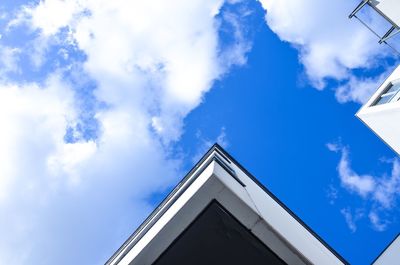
column 389, row 9
column 391, row 255
column 221, row 178
column 283, row 223
column 167, row 216
column 383, row 119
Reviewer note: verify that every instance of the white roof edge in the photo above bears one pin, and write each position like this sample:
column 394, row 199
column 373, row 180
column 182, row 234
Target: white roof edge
column 284, row 222
column 165, row 204
column 391, row 254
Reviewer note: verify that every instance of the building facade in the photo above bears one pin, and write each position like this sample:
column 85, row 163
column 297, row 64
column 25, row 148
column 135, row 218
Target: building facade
column 381, row 113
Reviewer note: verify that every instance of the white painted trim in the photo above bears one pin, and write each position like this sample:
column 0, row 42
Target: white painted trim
column 169, row 214
column 249, row 203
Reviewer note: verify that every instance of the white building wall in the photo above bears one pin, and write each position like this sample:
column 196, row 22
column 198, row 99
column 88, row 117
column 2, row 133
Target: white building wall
column 384, row 119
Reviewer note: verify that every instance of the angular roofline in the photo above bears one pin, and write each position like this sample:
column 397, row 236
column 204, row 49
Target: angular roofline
column 386, row 248
column 129, row 243
column 284, row 206
column 167, row 203
column 379, row 90
column 365, row 110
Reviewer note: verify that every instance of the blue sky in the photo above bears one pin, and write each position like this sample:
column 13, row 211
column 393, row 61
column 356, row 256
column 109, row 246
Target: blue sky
column 105, row 106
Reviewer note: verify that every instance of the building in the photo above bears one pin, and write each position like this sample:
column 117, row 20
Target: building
column 382, row 111
column 220, row 214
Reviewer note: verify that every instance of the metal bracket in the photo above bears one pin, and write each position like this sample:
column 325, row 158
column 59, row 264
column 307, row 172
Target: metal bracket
column 394, row 30
column 358, row 8
column 389, row 34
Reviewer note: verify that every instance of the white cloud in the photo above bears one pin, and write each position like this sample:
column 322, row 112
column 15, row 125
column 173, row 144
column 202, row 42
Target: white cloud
column 376, row 221
column 48, row 15
column 68, row 158
column 169, row 57
column 382, row 191
column 152, row 63
column 8, row 60
column 33, row 119
column 351, row 218
column 389, row 187
column 330, row 45
column 332, row 193
column 359, row 89
column 361, row 184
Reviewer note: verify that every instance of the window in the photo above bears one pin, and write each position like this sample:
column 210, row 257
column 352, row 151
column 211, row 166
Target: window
column 391, row 94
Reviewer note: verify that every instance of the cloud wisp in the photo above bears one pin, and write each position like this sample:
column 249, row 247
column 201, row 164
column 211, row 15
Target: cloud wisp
column 382, row 192
column 330, row 46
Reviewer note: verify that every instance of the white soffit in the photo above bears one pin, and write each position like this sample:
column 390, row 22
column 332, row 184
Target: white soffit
column 219, row 177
